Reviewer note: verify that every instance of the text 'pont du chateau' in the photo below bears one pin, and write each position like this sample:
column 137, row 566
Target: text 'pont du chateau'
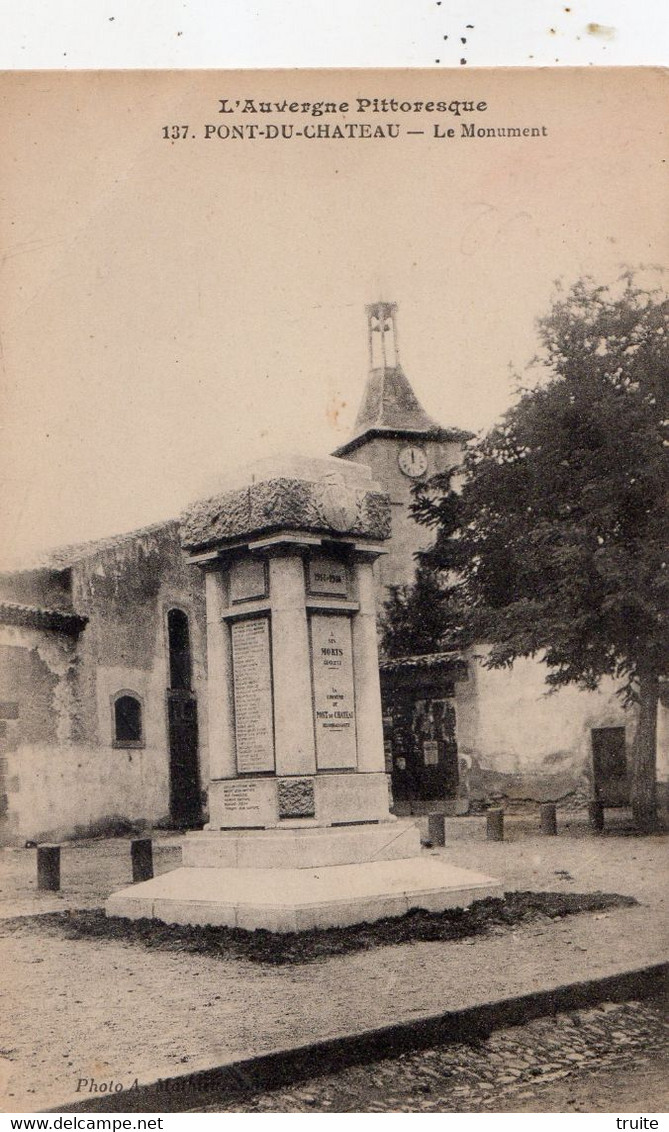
column 252, row 119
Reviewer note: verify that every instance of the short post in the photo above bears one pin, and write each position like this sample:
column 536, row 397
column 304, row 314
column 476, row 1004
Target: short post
column 548, row 819
column 436, row 829
column 48, row 868
column 596, row 815
column 141, row 853
column 495, row 825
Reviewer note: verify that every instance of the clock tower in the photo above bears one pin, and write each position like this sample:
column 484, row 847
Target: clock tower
column 397, row 439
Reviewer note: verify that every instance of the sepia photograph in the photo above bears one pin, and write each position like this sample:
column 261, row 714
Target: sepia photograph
column 334, row 663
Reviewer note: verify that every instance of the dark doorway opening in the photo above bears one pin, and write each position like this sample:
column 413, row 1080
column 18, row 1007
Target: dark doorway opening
column 179, row 645
column 421, row 746
column 185, row 801
column 609, row 766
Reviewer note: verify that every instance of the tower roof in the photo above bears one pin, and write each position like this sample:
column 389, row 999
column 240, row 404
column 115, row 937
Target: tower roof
column 389, row 402
column 389, row 405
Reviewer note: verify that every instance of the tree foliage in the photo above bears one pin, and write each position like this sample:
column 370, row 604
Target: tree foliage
column 423, row 618
column 559, row 536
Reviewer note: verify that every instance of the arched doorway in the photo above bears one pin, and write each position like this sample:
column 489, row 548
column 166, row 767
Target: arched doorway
column 185, row 805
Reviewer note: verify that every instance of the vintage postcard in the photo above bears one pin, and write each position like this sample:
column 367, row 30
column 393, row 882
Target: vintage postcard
column 332, row 410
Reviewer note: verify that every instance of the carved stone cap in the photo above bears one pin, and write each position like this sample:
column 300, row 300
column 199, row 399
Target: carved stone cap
column 326, row 496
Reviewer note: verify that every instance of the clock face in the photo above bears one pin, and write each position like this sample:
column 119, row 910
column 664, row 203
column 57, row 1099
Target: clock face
column 413, row 460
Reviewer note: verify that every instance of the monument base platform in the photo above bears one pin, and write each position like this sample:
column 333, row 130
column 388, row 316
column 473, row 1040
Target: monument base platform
column 297, row 899
column 301, row 845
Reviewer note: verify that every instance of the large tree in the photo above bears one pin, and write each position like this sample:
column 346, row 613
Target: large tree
column 559, row 536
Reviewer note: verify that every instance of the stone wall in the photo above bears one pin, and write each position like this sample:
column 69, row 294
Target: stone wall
column 37, row 673
column 54, row 783
column 126, row 592
column 518, row 742
column 76, row 791
column 64, row 775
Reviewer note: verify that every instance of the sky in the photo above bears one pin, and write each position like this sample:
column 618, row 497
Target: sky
column 170, row 310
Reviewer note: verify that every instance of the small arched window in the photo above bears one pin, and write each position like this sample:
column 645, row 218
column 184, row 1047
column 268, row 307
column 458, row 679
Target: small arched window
column 128, row 730
column 178, row 636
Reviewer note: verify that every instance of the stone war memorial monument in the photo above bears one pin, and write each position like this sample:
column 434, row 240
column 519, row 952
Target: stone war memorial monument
column 300, row 832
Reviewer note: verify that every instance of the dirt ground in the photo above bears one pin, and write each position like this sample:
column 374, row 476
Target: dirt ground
column 100, row 1010
column 90, row 872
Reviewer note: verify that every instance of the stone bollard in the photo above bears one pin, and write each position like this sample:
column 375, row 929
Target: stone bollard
column 548, row 818
column 48, row 868
column 495, row 825
column 596, row 816
column 141, row 853
column 436, row 831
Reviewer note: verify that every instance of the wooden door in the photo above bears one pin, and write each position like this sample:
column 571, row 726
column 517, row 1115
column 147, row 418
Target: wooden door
column 185, row 807
column 609, row 766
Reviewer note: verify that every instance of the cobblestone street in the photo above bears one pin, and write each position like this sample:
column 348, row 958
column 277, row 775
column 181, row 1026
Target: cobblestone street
column 561, row 1063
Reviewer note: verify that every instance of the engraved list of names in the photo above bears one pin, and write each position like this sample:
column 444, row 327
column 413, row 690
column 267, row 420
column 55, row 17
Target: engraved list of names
column 254, row 732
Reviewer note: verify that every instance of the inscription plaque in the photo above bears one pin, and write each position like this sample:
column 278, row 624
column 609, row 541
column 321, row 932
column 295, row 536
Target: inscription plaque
column 334, row 702
column 247, row 580
column 327, row 576
column 241, row 797
column 252, row 679
column 245, row 803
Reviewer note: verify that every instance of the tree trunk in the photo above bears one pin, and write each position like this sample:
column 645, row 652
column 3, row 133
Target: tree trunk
column 643, row 792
